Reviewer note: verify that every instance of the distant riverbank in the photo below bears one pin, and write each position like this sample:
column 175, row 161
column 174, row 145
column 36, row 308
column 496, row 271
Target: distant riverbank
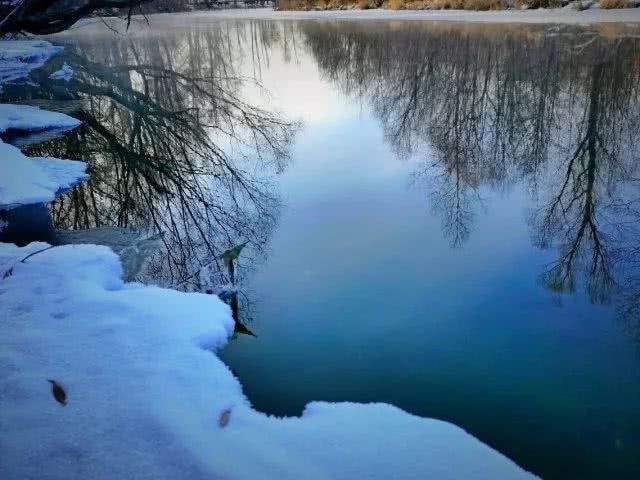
column 567, row 15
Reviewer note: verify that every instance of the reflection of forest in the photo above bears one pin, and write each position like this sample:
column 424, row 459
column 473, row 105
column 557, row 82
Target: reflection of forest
column 172, row 146
column 555, row 109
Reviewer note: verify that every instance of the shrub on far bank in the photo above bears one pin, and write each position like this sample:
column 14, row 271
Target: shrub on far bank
column 446, row 4
column 394, row 4
column 483, row 5
column 610, row 4
column 293, row 5
column 540, row 3
column 366, row 4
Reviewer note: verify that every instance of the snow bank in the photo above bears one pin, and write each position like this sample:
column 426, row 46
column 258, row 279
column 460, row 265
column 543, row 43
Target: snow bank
column 28, row 118
column 25, row 180
column 19, row 57
column 147, row 400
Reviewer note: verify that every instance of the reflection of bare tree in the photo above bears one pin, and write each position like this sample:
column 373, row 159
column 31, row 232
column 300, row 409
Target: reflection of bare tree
column 458, row 95
column 582, row 216
column 558, row 113
column 454, row 202
column 571, row 214
column 173, row 147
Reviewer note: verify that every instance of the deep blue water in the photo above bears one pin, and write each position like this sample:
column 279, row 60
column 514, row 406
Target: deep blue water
column 362, row 298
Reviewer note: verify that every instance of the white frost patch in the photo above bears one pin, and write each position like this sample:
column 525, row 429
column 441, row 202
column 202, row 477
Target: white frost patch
column 29, row 118
column 25, row 180
column 65, row 73
column 145, row 400
column 19, row 57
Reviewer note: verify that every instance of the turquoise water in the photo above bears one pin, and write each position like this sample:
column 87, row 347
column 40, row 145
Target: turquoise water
column 362, row 298
column 451, row 227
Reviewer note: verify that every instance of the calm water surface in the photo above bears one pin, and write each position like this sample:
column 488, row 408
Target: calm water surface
column 443, row 217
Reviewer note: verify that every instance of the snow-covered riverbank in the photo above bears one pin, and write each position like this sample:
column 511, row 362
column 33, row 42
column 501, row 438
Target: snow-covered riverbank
column 145, row 395
column 148, row 398
column 19, row 57
column 534, row 16
column 25, row 180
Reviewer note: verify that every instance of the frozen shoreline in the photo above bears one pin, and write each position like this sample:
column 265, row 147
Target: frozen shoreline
column 143, row 385
column 539, row 16
column 25, row 180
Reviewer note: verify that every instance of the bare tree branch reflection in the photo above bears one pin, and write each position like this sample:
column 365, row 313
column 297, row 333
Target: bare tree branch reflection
column 173, row 148
column 556, row 110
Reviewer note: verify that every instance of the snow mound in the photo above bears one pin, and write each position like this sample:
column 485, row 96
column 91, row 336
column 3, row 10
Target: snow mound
column 146, row 399
column 28, row 118
column 27, row 125
column 25, row 180
column 65, row 73
column 19, row 57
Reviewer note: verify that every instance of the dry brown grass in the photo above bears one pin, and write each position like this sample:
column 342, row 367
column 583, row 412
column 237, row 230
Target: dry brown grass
column 432, row 4
column 482, row 4
column 394, row 4
column 293, row 5
column 340, row 4
column 366, row 4
column 539, row 3
column 460, row 5
column 611, row 4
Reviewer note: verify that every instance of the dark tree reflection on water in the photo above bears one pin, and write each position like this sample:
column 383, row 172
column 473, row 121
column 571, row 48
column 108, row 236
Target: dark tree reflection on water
column 172, row 147
column 555, row 109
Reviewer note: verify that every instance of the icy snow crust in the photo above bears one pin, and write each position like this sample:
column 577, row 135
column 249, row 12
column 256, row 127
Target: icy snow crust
column 19, row 57
column 25, row 180
column 30, row 119
column 146, row 392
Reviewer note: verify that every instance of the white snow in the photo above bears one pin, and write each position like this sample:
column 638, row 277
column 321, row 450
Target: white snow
column 65, row 73
column 28, row 118
column 19, row 57
column 147, row 398
column 25, row 180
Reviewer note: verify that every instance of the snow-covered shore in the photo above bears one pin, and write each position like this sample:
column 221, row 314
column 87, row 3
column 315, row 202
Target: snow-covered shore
column 148, row 398
column 534, row 16
column 25, row 180
column 19, row 57
column 28, row 180
column 146, row 395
